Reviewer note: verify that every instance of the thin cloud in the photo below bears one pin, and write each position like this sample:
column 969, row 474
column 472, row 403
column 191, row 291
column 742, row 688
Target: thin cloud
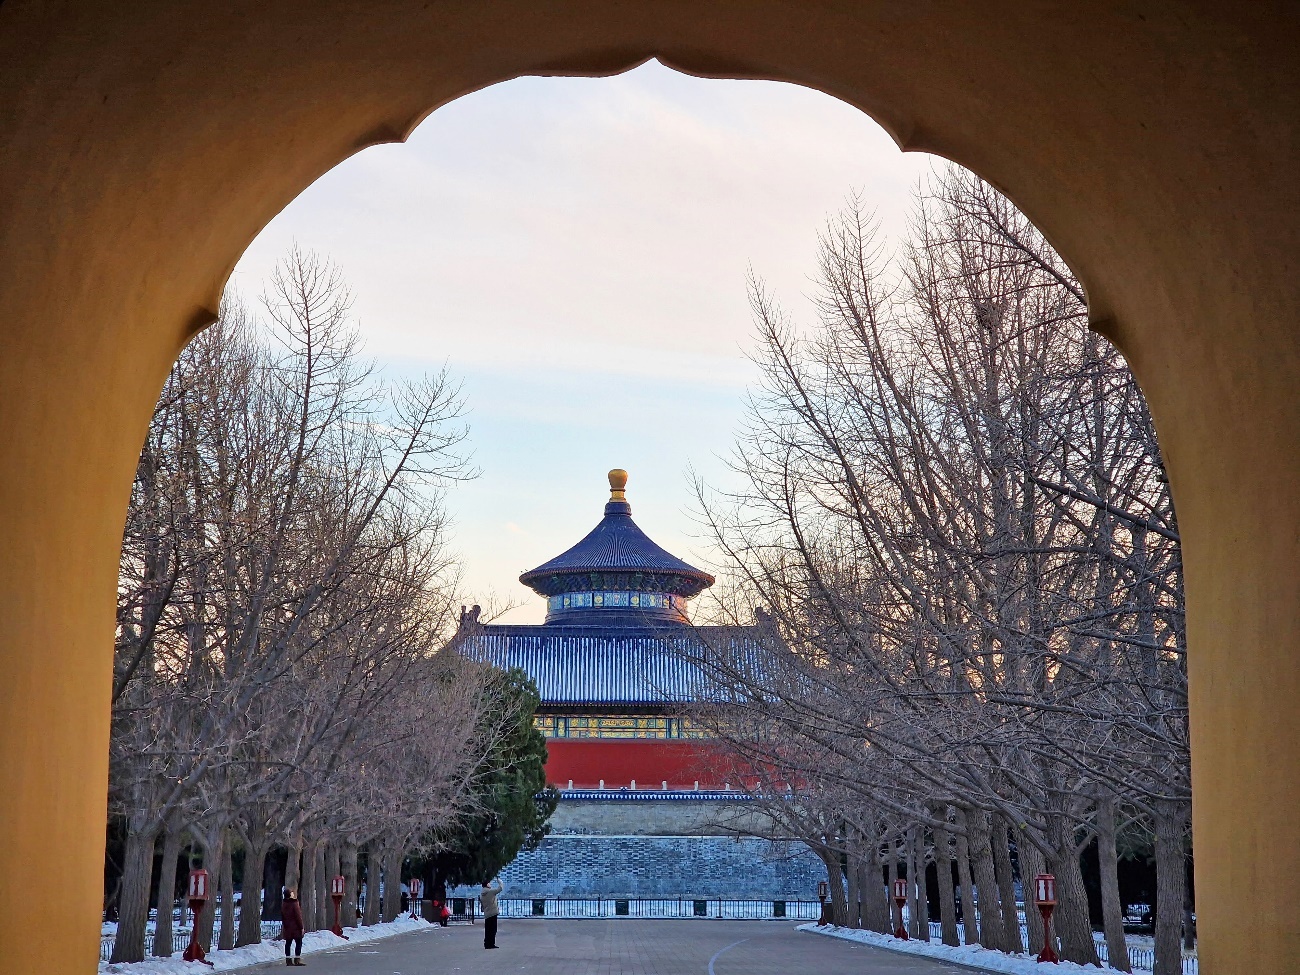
column 577, row 249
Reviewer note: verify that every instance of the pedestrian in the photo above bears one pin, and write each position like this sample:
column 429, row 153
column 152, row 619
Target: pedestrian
column 488, row 898
column 441, row 913
column 291, row 927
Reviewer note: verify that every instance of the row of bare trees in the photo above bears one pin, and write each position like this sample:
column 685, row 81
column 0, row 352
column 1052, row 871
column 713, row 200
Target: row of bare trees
column 285, row 582
column 956, row 521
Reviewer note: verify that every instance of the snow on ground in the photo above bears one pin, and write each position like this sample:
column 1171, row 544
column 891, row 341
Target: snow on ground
column 971, row 955
column 224, row 961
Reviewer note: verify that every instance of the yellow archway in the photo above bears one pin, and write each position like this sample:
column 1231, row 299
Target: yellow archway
column 142, row 146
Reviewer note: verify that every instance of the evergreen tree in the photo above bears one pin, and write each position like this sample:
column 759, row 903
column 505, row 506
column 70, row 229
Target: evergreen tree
column 514, row 802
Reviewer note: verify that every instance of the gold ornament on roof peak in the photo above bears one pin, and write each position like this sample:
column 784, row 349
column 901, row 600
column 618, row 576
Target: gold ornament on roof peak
column 617, row 484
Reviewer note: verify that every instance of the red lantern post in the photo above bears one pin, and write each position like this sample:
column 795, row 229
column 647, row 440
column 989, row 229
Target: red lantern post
column 900, row 898
column 337, row 888
column 1045, row 897
column 417, row 892
column 198, row 896
column 823, row 891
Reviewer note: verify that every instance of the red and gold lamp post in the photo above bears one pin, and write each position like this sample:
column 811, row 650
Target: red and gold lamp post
column 823, row 891
column 417, row 892
column 1045, row 898
column 198, row 896
column 900, row 898
column 338, row 886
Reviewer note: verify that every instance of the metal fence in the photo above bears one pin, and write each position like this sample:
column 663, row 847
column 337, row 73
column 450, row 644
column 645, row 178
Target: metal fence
column 646, row 908
column 180, row 939
column 1139, row 958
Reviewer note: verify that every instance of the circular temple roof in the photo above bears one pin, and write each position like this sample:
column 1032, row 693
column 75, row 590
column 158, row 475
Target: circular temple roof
column 617, row 547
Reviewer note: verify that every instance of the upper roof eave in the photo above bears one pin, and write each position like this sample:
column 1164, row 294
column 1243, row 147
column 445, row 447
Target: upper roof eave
column 616, row 545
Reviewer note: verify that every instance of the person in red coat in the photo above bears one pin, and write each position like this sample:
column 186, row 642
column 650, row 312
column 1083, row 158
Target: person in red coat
column 292, row 928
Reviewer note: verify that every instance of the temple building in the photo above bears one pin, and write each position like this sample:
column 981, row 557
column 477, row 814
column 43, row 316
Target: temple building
column 650, row 807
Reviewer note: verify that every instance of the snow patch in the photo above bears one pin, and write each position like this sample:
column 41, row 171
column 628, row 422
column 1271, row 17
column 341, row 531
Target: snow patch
column 224, row 961
column 973, row 956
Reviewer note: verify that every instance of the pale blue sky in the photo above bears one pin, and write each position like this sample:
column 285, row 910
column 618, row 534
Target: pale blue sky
column 576, row 250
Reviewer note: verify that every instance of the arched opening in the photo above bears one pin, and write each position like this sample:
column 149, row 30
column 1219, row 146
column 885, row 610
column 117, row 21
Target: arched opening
column 1152, row 149
column 576, row 250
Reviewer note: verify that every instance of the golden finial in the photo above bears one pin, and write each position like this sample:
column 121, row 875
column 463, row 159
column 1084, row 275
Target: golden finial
column 617, row 484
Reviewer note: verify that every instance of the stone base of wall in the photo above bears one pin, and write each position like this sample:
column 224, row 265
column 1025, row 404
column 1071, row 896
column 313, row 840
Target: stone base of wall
column 665, row 867
column 643, row 813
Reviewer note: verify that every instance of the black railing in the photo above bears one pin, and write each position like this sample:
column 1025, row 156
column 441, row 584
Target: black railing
column 615, row 907
column 181, row 940
column 1140, row 959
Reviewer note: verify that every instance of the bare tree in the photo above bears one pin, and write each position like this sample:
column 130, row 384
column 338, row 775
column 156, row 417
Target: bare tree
column 957, row 519
column 284, row 578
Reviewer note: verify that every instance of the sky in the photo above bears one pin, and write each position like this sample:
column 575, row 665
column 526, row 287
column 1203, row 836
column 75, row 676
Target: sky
column 575, row 250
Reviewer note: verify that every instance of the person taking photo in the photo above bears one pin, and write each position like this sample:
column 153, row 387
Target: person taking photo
column 488, row 898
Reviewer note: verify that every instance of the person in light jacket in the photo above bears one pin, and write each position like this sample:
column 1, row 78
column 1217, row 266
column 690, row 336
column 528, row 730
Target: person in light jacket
column 488, row 898
column 292, row 927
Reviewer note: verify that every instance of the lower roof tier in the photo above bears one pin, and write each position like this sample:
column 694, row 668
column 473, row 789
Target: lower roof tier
column 620, row 667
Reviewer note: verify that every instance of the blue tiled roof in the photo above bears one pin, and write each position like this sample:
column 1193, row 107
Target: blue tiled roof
column 616, row 545
column 629, row 666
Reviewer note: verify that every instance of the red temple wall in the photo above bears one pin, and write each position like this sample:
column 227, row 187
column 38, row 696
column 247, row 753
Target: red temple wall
column 619, row 762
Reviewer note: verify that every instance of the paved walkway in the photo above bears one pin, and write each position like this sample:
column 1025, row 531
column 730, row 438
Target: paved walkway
column 618, row 947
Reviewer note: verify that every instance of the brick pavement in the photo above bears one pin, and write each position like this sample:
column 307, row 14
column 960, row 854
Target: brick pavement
column 618, row 947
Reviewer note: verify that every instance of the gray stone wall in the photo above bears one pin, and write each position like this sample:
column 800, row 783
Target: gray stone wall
column 654, row 817
column 662, row 849
column 665, row 867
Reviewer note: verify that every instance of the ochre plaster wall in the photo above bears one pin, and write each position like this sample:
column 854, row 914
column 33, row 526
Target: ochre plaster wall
column 142, row 146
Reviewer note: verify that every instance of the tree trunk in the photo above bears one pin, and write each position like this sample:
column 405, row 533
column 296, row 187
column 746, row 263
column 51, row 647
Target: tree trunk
column 854, row 919
column 980, row 838
column 322, row 887
column 332, row 871
column 919, row 902
column 226, row 937
column 909, row 875
column 133, row 900
column 162, row 929
column 891, row 875
column 212, row 854
column 250, row 908
column 1112, row 908
column 1070, row 919
column 922, row 884
column 875, row 902
column 373, row 857
column 947, row 900
column 970, row 928
column 1006, row 887
column 348, row 867
column 307, row 885
column 1171, row 880
column 293, row 865
column 1031, row 865
column 393, row 856
column 835, row 881
column 333, row 861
